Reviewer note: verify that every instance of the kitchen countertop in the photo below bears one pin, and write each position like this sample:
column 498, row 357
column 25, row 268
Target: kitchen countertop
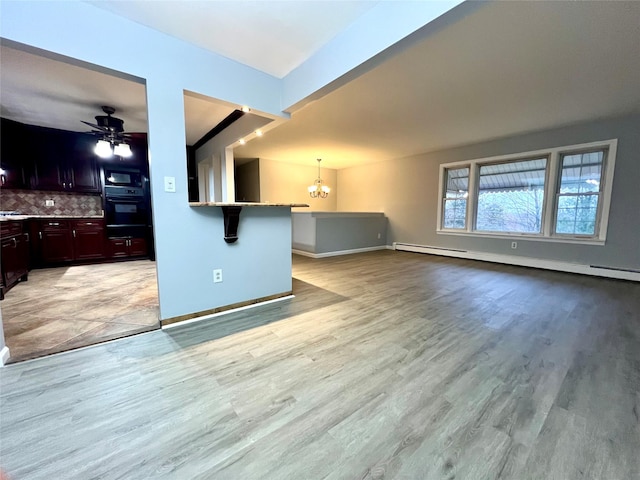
column 245, row 204
column 6, row 218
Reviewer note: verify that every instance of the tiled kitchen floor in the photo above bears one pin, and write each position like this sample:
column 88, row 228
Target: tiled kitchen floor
column 63, row 308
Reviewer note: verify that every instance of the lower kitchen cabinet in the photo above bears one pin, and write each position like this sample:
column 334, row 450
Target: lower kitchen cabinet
column 88, row 239
column 63, row 241
column 14, row 255
column 55, row 241
column 123, row 247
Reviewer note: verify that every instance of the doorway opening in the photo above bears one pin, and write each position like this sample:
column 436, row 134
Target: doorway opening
column 85, row 271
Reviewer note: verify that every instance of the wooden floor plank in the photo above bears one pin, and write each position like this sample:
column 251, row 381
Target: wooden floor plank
column 386, row 365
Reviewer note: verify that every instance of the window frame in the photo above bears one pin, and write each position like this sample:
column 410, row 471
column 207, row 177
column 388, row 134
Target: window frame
column 553, row 172
column 600, row 192
column 443, row 198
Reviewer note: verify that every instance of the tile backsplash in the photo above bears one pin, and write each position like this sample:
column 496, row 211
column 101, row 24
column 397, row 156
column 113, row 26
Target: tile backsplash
column 33, row 202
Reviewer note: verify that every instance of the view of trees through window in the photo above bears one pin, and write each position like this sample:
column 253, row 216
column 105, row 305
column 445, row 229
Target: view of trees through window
column 455, row 201
column 579, row 193
column 510, row 196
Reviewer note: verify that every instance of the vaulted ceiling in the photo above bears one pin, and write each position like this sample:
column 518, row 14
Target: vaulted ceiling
column 501, row 68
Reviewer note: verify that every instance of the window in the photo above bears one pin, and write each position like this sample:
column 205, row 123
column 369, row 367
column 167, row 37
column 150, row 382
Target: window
column 579, row 193
column 455, row 199
column 511, row 196
column 559, row 194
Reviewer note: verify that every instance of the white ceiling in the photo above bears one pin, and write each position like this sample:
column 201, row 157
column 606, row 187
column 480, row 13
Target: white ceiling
column 272, row 36
column 55, row 93
column 504, row 68
column 507, row 68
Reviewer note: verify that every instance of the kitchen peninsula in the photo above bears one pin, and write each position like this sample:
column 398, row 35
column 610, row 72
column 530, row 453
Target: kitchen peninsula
column 231, row 212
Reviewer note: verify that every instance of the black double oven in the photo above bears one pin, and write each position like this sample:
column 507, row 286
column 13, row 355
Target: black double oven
column 127, row 205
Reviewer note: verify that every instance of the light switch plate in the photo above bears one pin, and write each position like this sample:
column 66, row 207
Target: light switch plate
column 49, row 203
column 170, row 184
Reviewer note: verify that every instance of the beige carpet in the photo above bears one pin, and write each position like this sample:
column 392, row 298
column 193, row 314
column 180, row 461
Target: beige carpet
column 64, row 308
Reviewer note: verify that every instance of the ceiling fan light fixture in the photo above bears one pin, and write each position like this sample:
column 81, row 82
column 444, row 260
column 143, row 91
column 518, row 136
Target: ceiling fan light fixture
column 123, row 150
column 103, row 149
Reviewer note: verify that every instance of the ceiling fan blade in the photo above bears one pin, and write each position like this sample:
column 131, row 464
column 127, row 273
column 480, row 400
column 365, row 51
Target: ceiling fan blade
column 98, row 127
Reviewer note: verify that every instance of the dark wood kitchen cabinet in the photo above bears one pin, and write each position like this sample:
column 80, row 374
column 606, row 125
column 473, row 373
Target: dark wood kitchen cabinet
column 124, row 247
column 12, row 173
column 88, row 239
column 14, row 254
column 68, row 240
column 55, row 242
column 62, row 161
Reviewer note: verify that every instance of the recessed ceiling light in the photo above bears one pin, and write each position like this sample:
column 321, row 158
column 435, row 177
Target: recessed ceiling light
column 245, row 109
column 259, row 133
column 242, row 142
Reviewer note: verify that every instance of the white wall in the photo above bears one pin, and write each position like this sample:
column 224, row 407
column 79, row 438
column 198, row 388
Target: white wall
column 288, row 182
column 406, row 190
column 189, row 241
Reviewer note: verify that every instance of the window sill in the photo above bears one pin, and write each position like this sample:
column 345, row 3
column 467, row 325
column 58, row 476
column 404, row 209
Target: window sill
column 524, row 236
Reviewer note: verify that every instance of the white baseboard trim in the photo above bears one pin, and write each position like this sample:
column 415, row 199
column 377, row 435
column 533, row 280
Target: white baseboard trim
column 225, row 312
column 4, row 356
column 594, row 270
column 339, row 252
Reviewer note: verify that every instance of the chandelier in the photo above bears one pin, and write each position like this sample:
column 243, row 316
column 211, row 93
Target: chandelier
column 318, row 189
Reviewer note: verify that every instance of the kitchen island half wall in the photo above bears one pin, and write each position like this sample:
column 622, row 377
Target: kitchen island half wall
column 326, row 234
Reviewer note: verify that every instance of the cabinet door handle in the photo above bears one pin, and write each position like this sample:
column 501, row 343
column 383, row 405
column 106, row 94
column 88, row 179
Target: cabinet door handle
column 74, row 233
column 53, row 224
column 26, row 236
column 3, row 178
column 40, row 235
column 70, row 185
column 64, row 184
column 15, row 242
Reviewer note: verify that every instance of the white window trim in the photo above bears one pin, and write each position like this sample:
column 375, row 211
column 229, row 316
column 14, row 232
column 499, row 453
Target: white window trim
column 549, row 209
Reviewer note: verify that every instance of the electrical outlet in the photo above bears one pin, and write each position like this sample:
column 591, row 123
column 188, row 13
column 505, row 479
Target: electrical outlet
column 217, row 275
column 49, row 203
column 514, row 245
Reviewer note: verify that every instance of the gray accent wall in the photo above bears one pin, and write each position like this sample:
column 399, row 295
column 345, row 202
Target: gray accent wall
column 326, row 232
column 406, row 189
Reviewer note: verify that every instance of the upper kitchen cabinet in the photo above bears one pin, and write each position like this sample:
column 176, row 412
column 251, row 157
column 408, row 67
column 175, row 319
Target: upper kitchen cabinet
column 61, row 160
column 82, row 165
column 12, row 174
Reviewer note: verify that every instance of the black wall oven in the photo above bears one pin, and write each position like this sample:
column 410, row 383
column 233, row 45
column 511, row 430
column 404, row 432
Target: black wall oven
column 127, row 208
column 127, row 204
column 126, row 198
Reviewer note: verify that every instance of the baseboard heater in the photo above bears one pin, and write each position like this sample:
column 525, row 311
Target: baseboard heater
column 409, row 247
column 594, row 270
column 617, row 269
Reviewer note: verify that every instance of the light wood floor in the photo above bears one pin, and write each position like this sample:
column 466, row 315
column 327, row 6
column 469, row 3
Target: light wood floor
column 64, row 308
column 386, row 365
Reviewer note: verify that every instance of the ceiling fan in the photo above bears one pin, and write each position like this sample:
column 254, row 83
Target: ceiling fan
column 111, row 136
